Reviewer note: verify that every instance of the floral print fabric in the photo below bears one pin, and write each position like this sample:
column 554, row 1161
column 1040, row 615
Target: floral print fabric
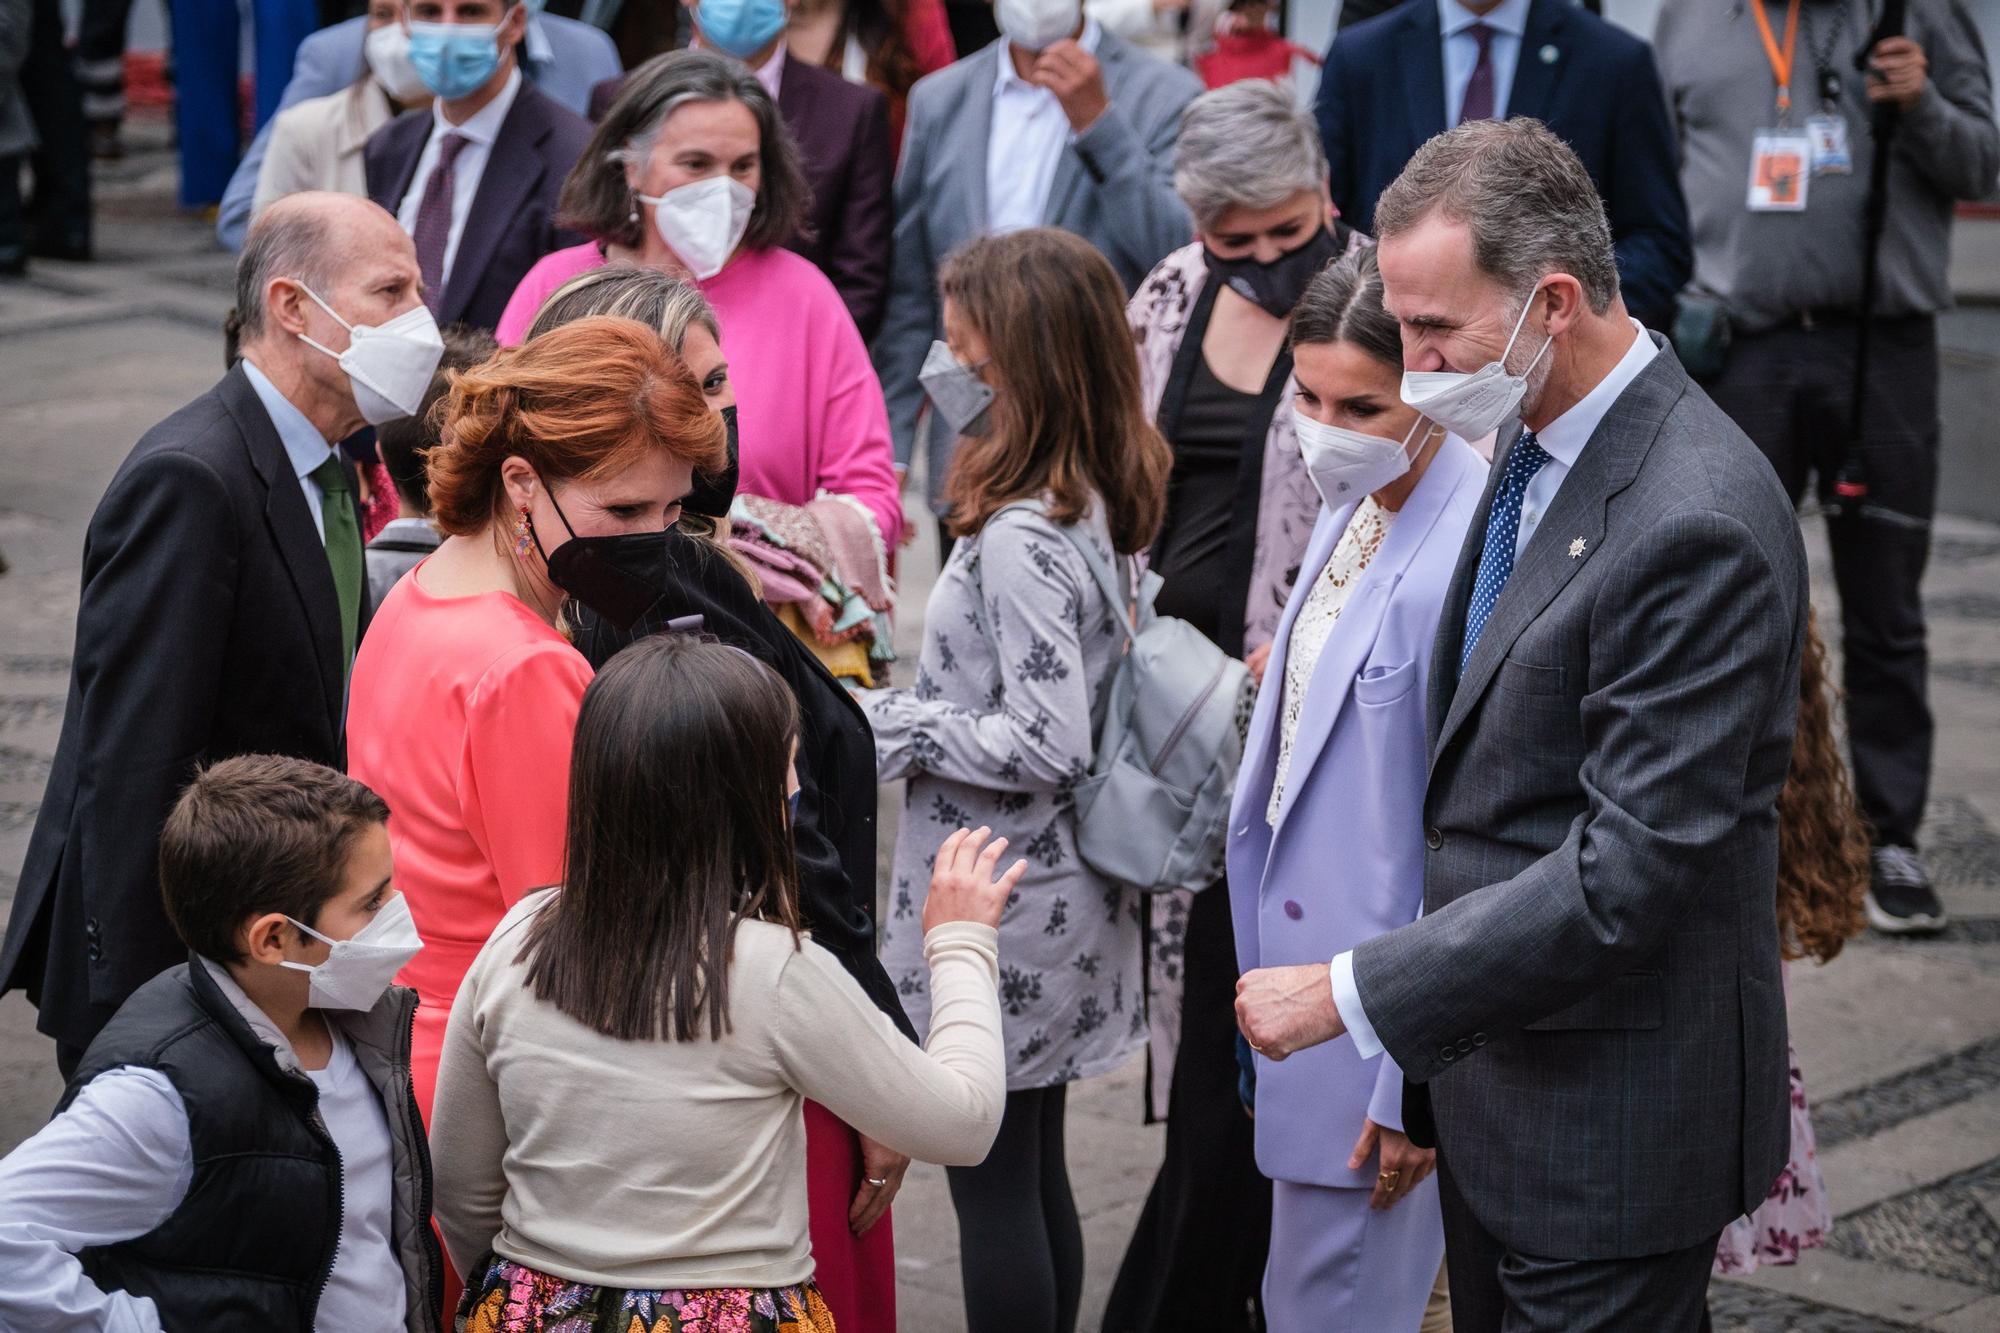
column 506, row 1297
column 1019, row 645
column 1795, row 1215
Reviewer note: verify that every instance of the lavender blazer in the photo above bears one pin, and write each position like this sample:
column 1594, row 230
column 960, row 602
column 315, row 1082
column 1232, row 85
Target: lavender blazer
column 1346, row 861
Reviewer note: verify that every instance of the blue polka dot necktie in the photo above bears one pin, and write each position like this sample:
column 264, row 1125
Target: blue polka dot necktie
column 1503, row 527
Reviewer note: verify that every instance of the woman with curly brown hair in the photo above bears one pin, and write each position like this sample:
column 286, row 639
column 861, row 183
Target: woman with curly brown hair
column 1822, row 874
column 465, row 691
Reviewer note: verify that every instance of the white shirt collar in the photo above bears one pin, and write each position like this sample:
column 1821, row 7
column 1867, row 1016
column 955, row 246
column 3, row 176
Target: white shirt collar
column 1565, row 437
column 483, row 126
column 304, row 445
column 1509, row 16
column 772, row 72
column 1093, row 32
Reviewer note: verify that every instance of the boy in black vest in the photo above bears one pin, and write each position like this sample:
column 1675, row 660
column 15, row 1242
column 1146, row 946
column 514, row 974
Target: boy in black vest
column 240, row 1147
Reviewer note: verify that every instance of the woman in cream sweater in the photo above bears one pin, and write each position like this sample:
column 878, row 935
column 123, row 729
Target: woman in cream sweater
column 618, row 1131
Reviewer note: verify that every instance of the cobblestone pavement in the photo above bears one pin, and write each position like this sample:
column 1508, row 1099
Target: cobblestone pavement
column 1900, row 1040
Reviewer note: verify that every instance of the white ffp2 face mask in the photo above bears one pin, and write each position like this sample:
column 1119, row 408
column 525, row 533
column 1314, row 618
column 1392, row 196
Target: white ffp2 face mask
column 359, row 969
column 703, row 221
column 388, row 52
column 1470, row 405
column 388, row 365
column 1348, row 464
column 1034, row 25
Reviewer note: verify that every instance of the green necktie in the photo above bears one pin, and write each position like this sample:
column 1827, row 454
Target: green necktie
column 343, row 552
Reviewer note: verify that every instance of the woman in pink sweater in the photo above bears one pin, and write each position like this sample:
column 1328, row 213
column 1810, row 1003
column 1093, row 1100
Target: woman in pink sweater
column 691, row 172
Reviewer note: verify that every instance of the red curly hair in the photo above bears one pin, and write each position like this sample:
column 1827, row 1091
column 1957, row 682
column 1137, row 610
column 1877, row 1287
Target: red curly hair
column 1823, row 845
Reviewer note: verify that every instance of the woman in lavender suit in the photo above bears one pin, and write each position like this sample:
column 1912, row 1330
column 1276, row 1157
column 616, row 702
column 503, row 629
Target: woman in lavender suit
column 1326, row 847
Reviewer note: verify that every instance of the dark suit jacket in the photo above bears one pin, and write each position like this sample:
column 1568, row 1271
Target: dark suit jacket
column 842, row 133
column 208, row 627
column 513, row 219
column 1381, row 96
column 835, row 828
column 1593, row 994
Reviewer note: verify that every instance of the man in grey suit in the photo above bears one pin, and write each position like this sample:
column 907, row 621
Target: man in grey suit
column 1073, row 131
column 1592, row 999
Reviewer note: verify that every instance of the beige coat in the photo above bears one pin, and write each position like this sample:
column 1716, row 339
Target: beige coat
column 316, row 144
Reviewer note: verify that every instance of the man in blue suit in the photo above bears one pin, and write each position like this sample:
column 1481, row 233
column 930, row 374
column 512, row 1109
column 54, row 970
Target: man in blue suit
column 1393, row 81
column 563, row 58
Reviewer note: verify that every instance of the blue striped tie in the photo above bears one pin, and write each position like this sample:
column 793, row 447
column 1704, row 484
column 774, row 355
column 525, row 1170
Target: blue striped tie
column 1503, row 526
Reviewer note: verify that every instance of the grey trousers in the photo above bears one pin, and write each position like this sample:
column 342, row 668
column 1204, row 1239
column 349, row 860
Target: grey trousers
column 1498, row 1290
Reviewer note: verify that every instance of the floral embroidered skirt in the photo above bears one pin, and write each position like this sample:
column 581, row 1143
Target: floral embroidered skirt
column 1795, row 1216
column 502, row 1296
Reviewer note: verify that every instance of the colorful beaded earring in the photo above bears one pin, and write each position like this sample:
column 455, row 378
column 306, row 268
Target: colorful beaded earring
column 524, row 532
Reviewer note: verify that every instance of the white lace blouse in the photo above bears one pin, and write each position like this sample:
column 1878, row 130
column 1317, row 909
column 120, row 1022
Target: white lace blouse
column 1314, row 627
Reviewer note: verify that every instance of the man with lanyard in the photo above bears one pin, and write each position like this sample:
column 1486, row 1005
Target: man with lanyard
column 1776, row 150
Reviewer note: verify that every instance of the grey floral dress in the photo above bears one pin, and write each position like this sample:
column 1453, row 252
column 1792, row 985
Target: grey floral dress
column 1019, row 644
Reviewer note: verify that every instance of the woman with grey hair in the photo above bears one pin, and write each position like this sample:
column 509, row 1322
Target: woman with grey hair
column 693, row 172
column 1211, row 321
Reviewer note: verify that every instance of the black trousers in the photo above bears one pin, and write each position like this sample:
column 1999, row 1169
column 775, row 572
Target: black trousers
column 58, row 215
column 1498, row 1290
column 1196, row 1259
column 1020, row 1242
column 100, row 58
column 1790, row 391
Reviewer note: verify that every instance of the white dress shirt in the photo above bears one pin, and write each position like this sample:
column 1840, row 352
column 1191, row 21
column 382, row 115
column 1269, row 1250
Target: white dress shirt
column 119, row 1161
column 1509, row 20
column 1563, row 439
column 1028, row 134
column 479, row 130
column 304, row 445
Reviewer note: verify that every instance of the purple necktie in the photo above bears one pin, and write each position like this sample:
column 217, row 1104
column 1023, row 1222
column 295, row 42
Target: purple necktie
column 433, row 230
column 1478, row 103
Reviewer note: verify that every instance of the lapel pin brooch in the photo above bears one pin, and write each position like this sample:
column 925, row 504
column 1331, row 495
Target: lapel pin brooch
column 1576, row 549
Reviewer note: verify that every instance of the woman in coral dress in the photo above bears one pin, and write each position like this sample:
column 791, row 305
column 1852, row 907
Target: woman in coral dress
column 465, row 690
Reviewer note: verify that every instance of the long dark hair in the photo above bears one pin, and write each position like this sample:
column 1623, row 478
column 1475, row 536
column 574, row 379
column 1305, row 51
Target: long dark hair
column 677, row 833
column 1822, row 841
column 1067, row 418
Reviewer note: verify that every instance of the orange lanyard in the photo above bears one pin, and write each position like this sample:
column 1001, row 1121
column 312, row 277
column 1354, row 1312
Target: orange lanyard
column 1781, row 61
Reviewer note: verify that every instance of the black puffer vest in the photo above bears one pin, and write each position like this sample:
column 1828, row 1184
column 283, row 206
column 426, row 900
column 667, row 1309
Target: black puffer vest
column 253, row 1241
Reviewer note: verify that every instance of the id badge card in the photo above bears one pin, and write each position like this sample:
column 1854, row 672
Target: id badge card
column 1780, row 165
column 1830, row 155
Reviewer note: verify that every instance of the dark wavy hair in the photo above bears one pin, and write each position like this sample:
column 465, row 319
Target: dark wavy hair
column 1822, row 841
column 1067, row 416
column 596, row 200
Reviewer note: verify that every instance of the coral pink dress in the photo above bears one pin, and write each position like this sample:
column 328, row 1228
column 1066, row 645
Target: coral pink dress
column 460, row 716
column 807, row 399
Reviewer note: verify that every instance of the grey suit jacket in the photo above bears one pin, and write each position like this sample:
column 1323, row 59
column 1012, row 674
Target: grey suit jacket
column 1113, row 187
column 1593, row 993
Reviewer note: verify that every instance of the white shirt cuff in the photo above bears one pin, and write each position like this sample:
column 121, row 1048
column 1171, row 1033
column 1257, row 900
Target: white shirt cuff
column 1347, row 999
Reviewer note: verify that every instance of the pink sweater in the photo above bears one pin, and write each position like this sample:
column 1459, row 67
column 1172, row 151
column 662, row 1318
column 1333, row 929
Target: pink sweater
column 808, row 405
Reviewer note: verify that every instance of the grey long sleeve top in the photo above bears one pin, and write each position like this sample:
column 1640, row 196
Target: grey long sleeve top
column 1770, row 268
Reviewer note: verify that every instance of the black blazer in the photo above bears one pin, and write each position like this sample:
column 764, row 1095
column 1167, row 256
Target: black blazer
column 513, row 219
column 841, row 130
column 835, row 829
column 208, row 627
column 1381, row 96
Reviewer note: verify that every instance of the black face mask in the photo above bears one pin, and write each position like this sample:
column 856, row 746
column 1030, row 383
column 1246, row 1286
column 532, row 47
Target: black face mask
column 620, row 577
column 714, row 491
column 1277, row 286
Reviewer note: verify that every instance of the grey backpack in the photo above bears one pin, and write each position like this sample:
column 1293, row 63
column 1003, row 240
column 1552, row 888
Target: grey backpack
column 1154, row 812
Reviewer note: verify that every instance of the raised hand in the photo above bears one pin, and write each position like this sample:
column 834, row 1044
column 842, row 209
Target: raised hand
column 963, row 887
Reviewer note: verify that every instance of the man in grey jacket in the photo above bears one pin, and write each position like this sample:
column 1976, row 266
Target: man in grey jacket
column 1072, row 130
column 1592, row 999
column 1789, row 280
